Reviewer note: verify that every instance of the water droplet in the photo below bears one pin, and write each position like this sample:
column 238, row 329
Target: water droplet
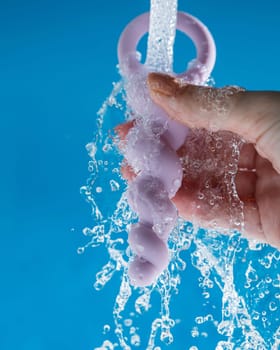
column 268, row 279
column 106, row 328
column 272, row 306
column 107, row 345
column 81, row 250
column 132, row 330
column 206, row 295
column 195, row 332
column 114, row 185
column 199, row 320
column 255, row 315
column 91, row 149
column 166, row 337
column 135, row 340
column 219, row 145
column 128, row 322
column 276, row 282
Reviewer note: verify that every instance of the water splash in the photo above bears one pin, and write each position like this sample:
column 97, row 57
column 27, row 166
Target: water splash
column 217, row 257
column 246, row 273
column 249, row 300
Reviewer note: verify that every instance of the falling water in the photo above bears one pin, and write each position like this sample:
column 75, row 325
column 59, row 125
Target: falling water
column 162, row 32
column 245, row 273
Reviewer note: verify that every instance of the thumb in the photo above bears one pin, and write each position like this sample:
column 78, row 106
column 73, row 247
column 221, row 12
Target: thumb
column 253, row 115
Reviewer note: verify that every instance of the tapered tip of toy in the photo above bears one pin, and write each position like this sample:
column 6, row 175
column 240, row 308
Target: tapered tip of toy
column 142, row 273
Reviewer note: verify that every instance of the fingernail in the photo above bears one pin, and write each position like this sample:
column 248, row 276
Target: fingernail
column 162, row 84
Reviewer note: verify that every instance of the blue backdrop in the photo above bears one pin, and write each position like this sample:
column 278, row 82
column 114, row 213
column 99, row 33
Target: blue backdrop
column 57, row 64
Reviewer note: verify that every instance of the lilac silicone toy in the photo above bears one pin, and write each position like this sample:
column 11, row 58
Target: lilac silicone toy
column 151, row 147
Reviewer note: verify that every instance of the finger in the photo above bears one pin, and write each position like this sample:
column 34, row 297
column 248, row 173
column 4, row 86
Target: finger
column 198, row 211
column 252, row 222
column 245, row 182
column 254, row 115
column 247, row 157
column 123, row 129
column 208, row 216
column 268, row 198
column 187, row 203
column 127, row 172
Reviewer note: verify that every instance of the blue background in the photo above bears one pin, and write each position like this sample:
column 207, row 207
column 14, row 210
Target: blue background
column 57, row 64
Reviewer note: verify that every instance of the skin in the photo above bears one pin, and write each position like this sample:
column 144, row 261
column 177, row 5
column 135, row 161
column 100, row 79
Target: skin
column 255, row 117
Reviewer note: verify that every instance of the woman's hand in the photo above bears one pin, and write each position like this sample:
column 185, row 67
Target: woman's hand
column 255, row 117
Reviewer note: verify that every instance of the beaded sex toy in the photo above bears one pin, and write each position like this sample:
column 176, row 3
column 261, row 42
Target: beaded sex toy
column 151, row 146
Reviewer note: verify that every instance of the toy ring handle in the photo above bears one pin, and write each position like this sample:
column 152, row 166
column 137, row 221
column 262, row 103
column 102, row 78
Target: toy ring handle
column 202, row 66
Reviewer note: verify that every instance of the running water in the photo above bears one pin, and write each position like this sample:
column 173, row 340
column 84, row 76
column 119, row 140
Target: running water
column 246, row 273
column 162, row 33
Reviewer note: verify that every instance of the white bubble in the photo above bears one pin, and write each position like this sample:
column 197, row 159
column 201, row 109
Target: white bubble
column 81, row 250
column 91, row 149
column 106, row 328
column 135, row 340
column 195, row 332
column 128, row 322
column 272, row 306
column 115, row 186
column 199, row 320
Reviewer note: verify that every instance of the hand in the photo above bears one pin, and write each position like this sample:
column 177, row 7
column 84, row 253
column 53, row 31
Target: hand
column 254, row 116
